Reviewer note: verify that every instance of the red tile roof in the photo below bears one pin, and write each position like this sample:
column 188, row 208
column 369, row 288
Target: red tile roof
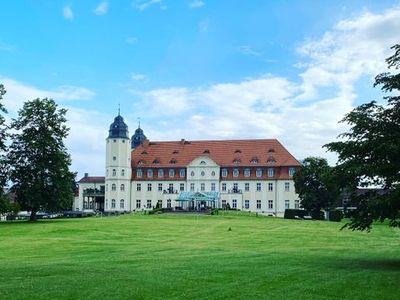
column 92, row 179
column 226, row 153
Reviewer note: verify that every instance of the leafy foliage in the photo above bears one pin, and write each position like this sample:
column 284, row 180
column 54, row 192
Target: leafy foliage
column 38, row 160
column 316, row 185
column 369, row 154
column 4, row 207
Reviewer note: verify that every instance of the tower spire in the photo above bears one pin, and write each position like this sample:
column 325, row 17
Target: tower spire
column 138, row 122
column 119, row 109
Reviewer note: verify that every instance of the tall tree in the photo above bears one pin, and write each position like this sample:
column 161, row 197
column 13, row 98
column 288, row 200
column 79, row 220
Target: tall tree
column 3, row 168
column 369, row 154
column 315, row 184
column 38, row 160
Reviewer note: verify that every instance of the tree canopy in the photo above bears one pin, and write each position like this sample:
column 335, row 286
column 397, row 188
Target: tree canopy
column 38, row 159
column 369, row 153
column 3, row 170
column 316, row 186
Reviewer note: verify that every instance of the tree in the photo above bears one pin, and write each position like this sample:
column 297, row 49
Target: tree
column 3, row 170
column 315, row 184
column 38, row 160
column 369, row 154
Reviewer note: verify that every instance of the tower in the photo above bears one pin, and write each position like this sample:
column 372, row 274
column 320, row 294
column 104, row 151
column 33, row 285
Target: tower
column 118, row 167
column 138, row 138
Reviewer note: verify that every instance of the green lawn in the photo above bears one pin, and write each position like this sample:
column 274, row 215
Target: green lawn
column 196, row 257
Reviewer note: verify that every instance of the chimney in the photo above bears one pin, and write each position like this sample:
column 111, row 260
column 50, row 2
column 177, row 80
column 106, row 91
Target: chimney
column 86, row 175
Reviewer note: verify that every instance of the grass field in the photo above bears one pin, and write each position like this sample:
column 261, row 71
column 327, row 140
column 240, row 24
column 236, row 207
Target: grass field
column 196, row 257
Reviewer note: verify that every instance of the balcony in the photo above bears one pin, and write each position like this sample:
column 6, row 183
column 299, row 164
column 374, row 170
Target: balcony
column 93, row 192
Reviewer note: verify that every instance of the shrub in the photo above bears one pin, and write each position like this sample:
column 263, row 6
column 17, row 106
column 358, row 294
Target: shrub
column 335, row 215
column 317, row 215
column 292, row 213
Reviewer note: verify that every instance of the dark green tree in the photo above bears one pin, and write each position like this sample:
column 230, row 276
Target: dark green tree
column 38, row 160
column 369, row 154
column 4, row 207
column 315, row 183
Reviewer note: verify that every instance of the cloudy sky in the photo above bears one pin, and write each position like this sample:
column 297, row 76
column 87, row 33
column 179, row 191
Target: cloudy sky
column 198, row 69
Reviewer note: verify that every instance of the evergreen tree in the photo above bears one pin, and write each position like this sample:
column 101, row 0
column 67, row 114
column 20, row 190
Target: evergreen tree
column 4, row 207
column 369, row 154
column 38, row 160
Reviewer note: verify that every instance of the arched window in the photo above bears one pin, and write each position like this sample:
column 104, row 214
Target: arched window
column 259, row 172
column 122, row 203
column 247, row 172
column 160, row 173
column 224, row 172
column 113, row 187
column 113, row 203
column 171, row 172
column 235, row 172
column 114, row 172
column 123, row 172
column 149, row 173
column 139, row 173
column 122, row 187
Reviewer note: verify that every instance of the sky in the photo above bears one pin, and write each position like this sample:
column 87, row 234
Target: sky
column 197, row 69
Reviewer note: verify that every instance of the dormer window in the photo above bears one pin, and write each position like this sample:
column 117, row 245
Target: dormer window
column 237, row 161
column 270, row 172
column 238, row 151
column 271, row 150
column 141, row 162
column 149, row 173
column 235, row 172
column 175, row 152
column 139, row 173
column 259, row 172
column 271, row 160
column 171, row 172
column 246, row 172
column 144, row 152
column 202, row 162
column 224, row 173
column 182, row 172
column 206, row 151
column 254, row 160
column 160, row 173
column 291, row 171
column 156, row 161
column 172, row 161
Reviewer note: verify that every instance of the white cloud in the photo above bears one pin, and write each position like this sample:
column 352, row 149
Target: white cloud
column 196, row 4
column 102, row 8
column 139, row 77
column 303, row 115
column 203, row 25
column 247, row 50
column 142, row 5
column 131, row 40
column 68, row 13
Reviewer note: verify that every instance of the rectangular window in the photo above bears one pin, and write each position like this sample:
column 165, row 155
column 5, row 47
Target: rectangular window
column 258, row 186
column 149, row 187
column 138, row 187
column 287, row 186
column 247, row 186
column 270, row 172
column 258, row 204
column 182, row 187
column 160, row 187
column 259, row 172
column 270, row 186
column 234, row 203
column 223, row 203
column 213, row 186
column 235, row 172
column 192, row 187
column 296, row 204
column 171, row 173
column 235, row 187
column 287, row 204
column 159, row 203
column 171, row 188
column 138, row 203
column 169, row 203
column 247, row 204
column 224, row 172
column 270, row 204
column 246, row 172
column 182, row 173
column 149, row 203
column 223, row 187
column 139, row 173
column 202, row 187
column 291, row 171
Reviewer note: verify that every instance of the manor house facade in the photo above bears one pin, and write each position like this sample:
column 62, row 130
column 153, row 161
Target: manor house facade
column 254, row 175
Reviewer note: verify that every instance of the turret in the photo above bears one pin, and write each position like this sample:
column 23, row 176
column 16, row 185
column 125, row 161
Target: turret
column 118, row 167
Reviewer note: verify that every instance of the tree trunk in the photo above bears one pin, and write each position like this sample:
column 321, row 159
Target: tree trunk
column 33, row 216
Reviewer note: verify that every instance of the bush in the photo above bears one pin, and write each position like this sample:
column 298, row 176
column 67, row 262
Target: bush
column 292, row 213
column 317, row 215
column 335, row 215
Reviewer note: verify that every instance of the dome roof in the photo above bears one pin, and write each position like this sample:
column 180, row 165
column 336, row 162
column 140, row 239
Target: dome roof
column 118, row 129
column 138, row 138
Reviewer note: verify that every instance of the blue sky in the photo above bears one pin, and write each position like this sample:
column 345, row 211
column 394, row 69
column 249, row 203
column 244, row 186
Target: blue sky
column 197, row 69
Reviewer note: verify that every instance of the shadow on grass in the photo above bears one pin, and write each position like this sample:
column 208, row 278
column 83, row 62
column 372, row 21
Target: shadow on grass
column 40, row 221
column 370, row 264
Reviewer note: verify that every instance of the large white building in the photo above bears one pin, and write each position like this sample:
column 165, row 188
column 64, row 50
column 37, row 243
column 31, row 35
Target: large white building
column 254, row 175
